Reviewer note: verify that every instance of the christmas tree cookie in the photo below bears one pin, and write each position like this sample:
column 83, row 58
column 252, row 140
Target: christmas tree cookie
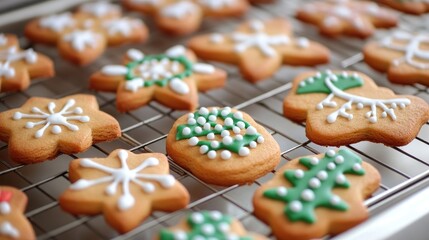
column 222, row 146
column 344, row 107
column 314, row 196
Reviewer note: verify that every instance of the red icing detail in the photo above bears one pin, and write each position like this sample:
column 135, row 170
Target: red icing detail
column 5, row 196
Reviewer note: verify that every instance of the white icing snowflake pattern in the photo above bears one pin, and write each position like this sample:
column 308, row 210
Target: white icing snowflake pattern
column 258, row 39
column 179, row 10
column 11, row 55
column 411, row 49
column 57, row 22
column 124, row 176
column 53, row 118
column 82, row 39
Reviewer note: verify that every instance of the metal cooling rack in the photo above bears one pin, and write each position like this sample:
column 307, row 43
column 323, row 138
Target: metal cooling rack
column 145, row 129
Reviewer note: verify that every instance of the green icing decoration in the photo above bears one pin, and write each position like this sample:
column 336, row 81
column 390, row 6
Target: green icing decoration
column 313, row 188
column 204, row 225
column 164, row 81
column 316, row 84
column 236, row 144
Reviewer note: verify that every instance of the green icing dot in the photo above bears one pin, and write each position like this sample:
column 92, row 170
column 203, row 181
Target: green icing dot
column 316, row 83
column 235, row 145
column 205, row 225
column 313, row 188
column 185, row 62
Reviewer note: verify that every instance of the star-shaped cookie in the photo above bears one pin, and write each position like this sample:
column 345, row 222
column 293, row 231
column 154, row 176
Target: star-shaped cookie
column 260, row 48
column 18, row 67
column 185, row 16
column 42, row 128
column 342, row 108
column 125, row 187
column 81, row 37
column 348, row 17
column 404, row 56
column 172, row 78
column 314, row 196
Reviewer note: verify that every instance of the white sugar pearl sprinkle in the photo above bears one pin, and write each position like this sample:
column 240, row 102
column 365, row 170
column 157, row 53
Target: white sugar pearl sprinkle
column 204, row 149
column 198, row 130
column 241, row 125
column 210, row 136
column 251, row 131
column 227, row 140
column 225, row 154
column 260, row 139
column 238, row 115
column 197, row 218
column 218, row 127
column 186, row 131
column 224, row 133
column 207, row 126
column 212, row 118
column 322, row 175
column 296, row 206
column 335, row 200
column 340, row 179
column 208, row 229
column 239, row 137
column 214, row 144
column 307, row 195
column 193, row 141
column 214, row 111
column 244, row 151
column 203, row 111
column 339, row 159
column 331, row 166
column 236, row 130
column 330, row 153
column 253, row 144
column 191, row 115
column 299, row 173
column 314, row 183
column 201, row 120
column 357, row 167
column 314, row 161
column 192, row 121
column 229, row 121
column 211, row 154
column 216, row 215
column 282, row 191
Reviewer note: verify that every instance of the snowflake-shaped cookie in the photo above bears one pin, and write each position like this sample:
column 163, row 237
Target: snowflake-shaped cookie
column 172, row 78
column 220, row 144
column 347, row 107
column 404, row 56
column 82, row 37
column 42, row 128
column 349, row 17
column 18, row 67
column 125, row 187
column 260, row 48
column 314, row 196
column 185, row 16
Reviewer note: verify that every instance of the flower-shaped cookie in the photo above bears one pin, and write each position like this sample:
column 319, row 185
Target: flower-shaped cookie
column 18, row 67
column 185, row 16
column 208, row 225
column 313, row 196
column 82, row 37
column 260, row 48
column 13, row 223
column 408, row 6
column 222, row 146
column 349, row 17
column 342, row 108
column 172, row 78
column 42, row 128
column 125, row 187
column 404, row 56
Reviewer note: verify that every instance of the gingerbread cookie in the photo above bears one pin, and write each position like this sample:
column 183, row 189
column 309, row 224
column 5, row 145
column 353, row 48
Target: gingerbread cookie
column 208, row 225
column 18, row 67
column 260, row 48
column 185, row 16
column 125, row 187
column 408, row 6
column 342, row 108
column 313, row 196
column 222, row 146
column 83, row 36
column 42, row 128
column 172, row 78
column 13, row 223
column 404, row 56
column 348, row 17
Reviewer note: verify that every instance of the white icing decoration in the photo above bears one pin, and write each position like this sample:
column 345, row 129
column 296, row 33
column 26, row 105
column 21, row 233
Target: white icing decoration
column 282, row 191
column 216, row 38
column 176, row 51
column 258, row 39
column 8, row 230
column 364, row 102
column 335, row 200
column 217, row 4
column 299, row 173
column 314, row 183
column 203, row 68
column 412, row 49
column 322, row 175
column 135, row 54
column 123, row 26
column 307, row 195
column 225, row 154
column 179, row 86
column 57, row 23
column 4, row 208
column 124, row 176
column 302, row 42
column 148, row 2
column 10, row 55
column 179, row 10
column 296, row 206
column 3, row 39
column 100, row 8
column 81, row 39
column 114, row 70
column 134, row 85
column 53, row 118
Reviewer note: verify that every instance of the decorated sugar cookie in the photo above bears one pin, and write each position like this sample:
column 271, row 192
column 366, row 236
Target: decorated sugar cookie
column 222, row 146
column 18, row 67
column 82, row 37
column 408, row 6
column 13, row 223
column 348, row 17
column 172, row 78
column 342, row 108
column 208, row 225
column 314, row 196
column 185, row 16
column 42, row 128
column 260, row 48
column 404, row 56
column 124, row 187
